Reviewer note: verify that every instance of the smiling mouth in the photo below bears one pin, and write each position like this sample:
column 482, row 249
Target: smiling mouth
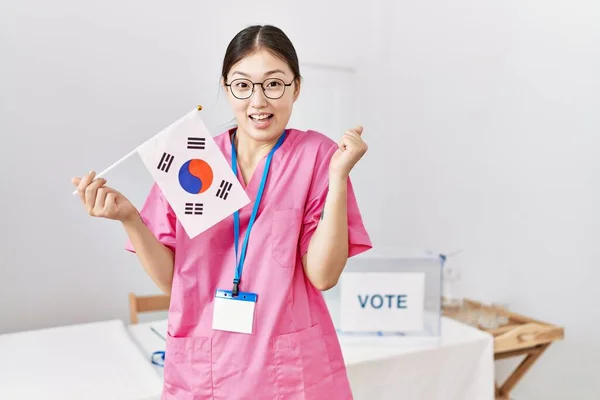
column 260, row 117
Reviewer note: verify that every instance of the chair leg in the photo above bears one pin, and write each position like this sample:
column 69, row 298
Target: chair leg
column 133, row 314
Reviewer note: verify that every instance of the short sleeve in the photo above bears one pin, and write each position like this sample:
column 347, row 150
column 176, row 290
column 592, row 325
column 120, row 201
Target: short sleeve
column 159, row 217
column 358, row 238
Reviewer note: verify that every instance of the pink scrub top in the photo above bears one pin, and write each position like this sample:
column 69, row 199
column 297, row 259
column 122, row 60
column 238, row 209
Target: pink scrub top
column 293, row 351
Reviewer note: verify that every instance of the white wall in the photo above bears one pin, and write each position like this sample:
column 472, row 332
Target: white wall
column 82, row 85
column 493, row 124
column 481, row 118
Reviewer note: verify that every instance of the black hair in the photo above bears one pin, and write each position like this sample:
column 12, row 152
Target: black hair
column 257, row 37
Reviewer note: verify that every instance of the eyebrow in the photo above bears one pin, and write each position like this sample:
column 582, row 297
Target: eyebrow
column 275, row 71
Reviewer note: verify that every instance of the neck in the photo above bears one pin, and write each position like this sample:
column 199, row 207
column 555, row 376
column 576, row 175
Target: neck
column 250, row 151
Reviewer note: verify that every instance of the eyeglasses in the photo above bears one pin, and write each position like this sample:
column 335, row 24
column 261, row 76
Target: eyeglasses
column 273, row 88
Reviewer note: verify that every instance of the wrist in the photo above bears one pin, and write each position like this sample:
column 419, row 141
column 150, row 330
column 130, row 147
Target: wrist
column 132, row 220
column 338, row 182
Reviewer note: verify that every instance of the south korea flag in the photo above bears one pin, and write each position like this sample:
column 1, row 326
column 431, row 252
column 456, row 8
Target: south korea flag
column 193, row 174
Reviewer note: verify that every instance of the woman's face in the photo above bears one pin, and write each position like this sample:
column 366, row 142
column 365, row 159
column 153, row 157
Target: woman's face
column 259, row 116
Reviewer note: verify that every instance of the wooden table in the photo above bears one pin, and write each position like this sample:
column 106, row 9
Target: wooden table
column 517, row 336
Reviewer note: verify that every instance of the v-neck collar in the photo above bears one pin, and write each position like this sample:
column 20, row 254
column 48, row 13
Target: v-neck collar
column 252, row 185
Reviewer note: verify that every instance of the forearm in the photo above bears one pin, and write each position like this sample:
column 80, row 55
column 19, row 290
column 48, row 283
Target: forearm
column 328, row 249
column 156, row 258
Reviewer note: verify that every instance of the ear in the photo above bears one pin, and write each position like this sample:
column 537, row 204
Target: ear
column 297, row 88
column 226, row 90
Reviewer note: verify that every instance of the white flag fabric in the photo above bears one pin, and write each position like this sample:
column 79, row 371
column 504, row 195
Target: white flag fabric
column 193, row 174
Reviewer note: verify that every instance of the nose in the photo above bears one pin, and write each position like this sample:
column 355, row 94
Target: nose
column 258, row 100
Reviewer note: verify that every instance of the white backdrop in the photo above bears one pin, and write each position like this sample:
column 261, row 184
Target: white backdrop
column 482, row 120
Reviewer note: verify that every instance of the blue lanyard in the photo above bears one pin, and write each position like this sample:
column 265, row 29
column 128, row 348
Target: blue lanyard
column 236, row 216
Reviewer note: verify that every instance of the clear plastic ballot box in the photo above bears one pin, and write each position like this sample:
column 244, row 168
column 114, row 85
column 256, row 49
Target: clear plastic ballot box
column 396, row 292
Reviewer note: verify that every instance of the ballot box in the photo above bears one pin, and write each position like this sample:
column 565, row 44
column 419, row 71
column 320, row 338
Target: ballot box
column 393, row 293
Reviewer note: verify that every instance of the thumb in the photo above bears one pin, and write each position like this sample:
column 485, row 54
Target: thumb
column 358, row 129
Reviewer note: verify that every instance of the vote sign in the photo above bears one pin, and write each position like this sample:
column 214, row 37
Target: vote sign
column 382, row 301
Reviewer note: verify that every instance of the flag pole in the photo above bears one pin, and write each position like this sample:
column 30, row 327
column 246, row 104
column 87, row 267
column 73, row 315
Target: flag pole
column 107, row 170
column 125, row 157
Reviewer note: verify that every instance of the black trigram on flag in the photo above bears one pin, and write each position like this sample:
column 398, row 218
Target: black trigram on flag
column 194, row 208
column 196, row 143
column 165, row 162
column 224, row 189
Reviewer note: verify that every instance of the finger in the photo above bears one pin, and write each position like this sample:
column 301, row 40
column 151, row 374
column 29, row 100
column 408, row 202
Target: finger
column 341, row 144
column 358, row 130
column 75, row 181
column 347, row 142
column 357, row 133
column 110, row 204
column 83, row 183
column 86, row 180
column 100, row 200
column 351, row 140
column 90, row 194
column 354, row 143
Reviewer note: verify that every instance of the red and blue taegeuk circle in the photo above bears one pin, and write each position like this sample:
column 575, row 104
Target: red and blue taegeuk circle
column 195, row 176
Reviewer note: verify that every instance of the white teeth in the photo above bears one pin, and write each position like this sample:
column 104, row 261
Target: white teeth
column 260, row 117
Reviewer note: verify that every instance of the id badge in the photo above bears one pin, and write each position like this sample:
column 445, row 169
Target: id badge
column 234, row 314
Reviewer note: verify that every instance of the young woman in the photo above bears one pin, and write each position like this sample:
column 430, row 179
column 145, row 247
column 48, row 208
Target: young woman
column 294, row 244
